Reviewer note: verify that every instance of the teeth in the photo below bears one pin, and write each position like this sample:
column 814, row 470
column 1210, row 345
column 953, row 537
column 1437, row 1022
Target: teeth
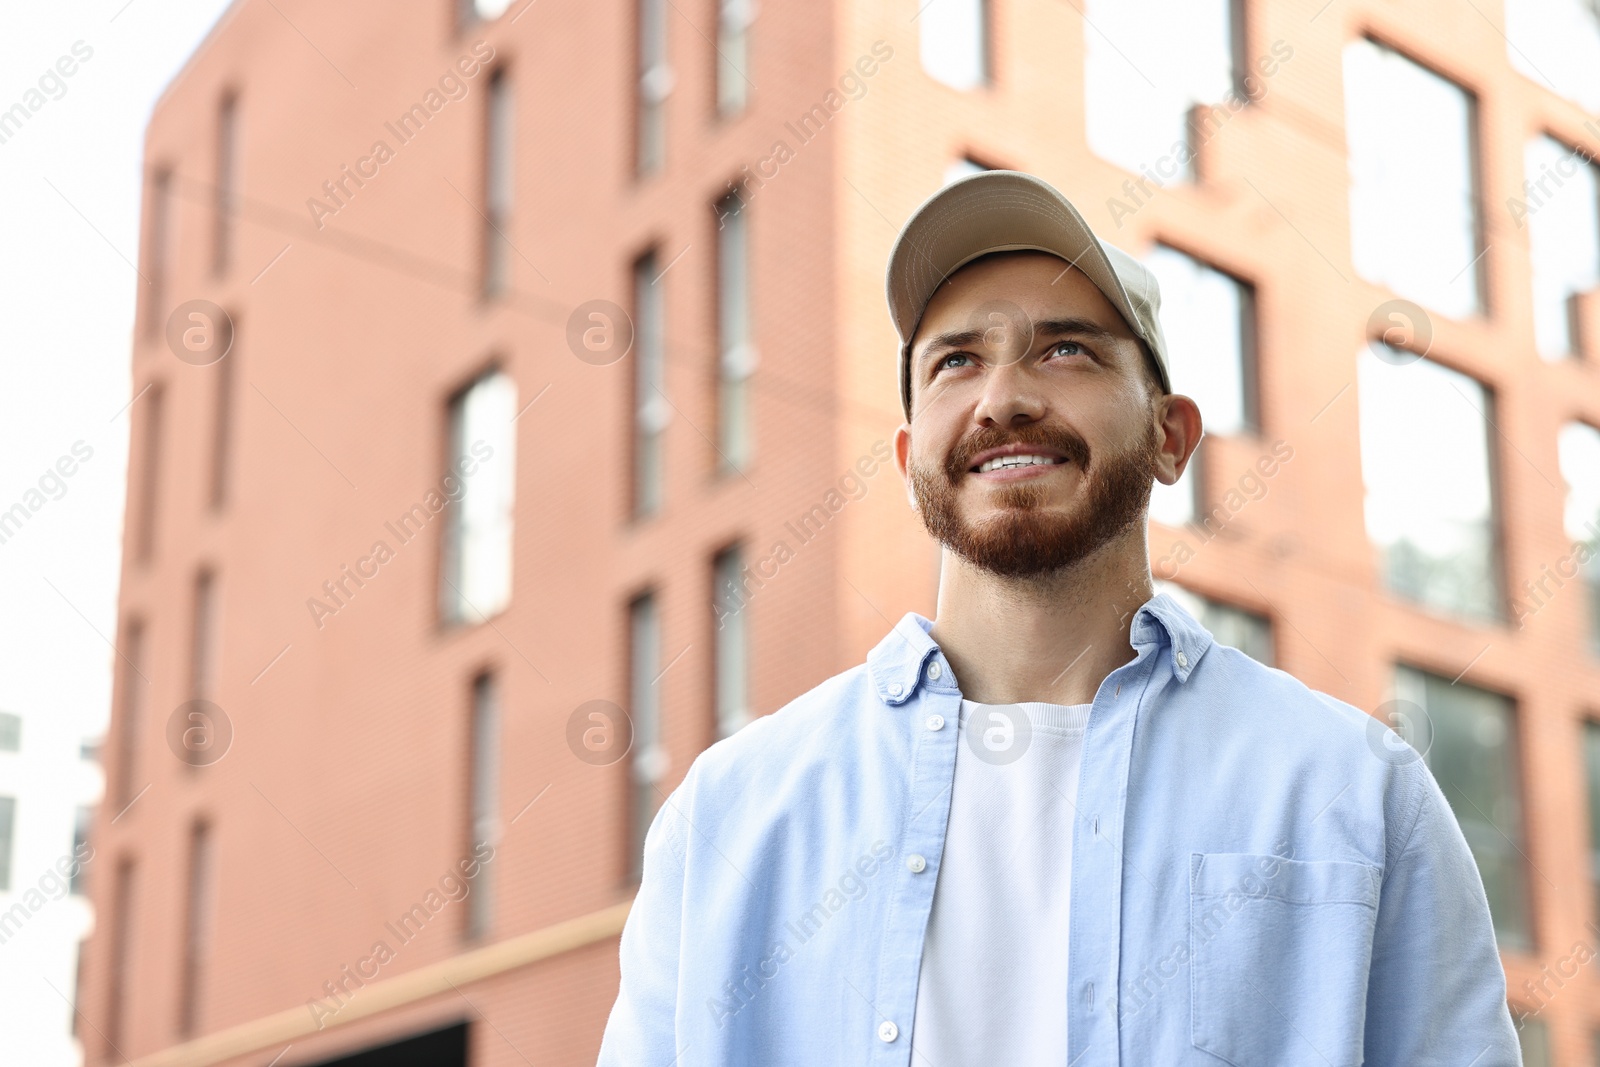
column 1015, row 461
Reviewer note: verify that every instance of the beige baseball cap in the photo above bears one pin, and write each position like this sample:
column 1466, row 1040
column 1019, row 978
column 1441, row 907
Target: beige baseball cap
column 1003, row 211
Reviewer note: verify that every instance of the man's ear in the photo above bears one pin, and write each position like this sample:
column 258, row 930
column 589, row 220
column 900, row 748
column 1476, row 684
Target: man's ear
column 902, row 460
column 1179, row 430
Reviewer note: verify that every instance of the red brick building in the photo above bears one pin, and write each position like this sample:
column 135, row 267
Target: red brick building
column 494, row 363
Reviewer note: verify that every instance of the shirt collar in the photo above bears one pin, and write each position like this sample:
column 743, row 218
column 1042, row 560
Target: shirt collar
column 897, row 663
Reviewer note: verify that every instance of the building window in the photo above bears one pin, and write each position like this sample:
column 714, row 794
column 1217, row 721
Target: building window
column 1148, row 64
column 649, row 753
column 736, row 342
column 158, row 258
column 82, row 821
column 1591, row 762
column 485, row 797
column 1557, row 44
column 1245, row 630
column 8, row 827
column 222, row 413
column 10, row 732
column 962, row 168
column 498, row 181
column 1579, row 448
column 206, row 638
column 1469, row 738
column 954, row 42
column 477, row 544
column 1208, row 319
column 1430, row 499
column 1179, row 503
column 1562, row 193
column 118, row 971
column 731, row 641
column 132, row 709
column 1533, row 1039
column 144, row 523
column 655, row 82
column 650, row 406
column 470, row 11
column 733, row 54
column 1414, row 223
column 196, row 926
column 226, row 205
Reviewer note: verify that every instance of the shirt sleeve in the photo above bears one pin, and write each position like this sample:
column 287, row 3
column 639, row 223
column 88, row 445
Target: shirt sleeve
column 1437, row 992
column 642, row 1030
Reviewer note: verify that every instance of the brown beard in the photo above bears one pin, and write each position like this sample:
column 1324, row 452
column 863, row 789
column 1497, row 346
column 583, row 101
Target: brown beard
column 1022, row 541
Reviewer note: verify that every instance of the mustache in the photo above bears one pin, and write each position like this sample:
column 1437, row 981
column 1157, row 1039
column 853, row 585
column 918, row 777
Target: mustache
column 1060, row 439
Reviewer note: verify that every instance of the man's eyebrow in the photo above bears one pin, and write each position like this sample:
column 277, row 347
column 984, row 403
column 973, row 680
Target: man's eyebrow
column 1082, row 327
column 949, row 339
column 1046, row 328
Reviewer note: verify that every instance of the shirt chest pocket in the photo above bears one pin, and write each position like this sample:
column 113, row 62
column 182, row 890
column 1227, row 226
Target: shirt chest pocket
column 1279, row 953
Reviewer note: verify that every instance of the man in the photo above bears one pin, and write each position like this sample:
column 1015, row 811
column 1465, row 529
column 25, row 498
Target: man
column 1058, row 824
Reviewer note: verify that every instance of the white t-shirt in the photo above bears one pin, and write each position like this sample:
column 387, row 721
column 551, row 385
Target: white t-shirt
column 992, row 990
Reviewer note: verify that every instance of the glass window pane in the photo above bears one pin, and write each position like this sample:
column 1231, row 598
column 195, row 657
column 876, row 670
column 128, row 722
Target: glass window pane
column 1206, row 318
column 83, row 819
column 478, row 542
column 1579, row 448
column 197, row 928
column 1413, row 206
column 961, row 168
column 1429, row 499
column 1245, row 630
column 226, row 205
column 499, row 181
column 1147, row 63
column 1178, row 503
column 732, row 642
column 160, row 238
column 207, row 636
column 8, row 818
column 651, row 408
column 1469, row 738
column 655, row 82
column 1562, row 208
column 733, row 54
column 737, row 344
column 1591, row 763
column 953, row 41
column 649, row 759
column 1533, row 1039
column 1557, row 44
column 485, row 796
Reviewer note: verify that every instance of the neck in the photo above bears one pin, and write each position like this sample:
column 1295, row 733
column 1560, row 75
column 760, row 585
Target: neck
column 1052, row 638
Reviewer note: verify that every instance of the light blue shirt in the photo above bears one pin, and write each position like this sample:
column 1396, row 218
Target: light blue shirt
column 1261, row 875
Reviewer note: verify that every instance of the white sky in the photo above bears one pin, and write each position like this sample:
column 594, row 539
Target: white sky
column 66, row 323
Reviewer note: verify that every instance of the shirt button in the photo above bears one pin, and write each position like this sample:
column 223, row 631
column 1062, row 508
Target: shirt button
column 894, row 689
column 916, row 863
column 934, row 670
column 936, row 722
column 888, row 1031
column 1183, row 661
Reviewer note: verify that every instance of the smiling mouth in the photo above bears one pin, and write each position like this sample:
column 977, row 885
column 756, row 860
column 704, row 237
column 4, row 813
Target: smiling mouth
column 1010, row 462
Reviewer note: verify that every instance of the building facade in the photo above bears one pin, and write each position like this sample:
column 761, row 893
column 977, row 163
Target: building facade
column 514, row 397
column 49, row 786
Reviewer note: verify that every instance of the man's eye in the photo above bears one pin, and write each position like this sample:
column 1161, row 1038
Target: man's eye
column 1072, row 348
column 944, row 361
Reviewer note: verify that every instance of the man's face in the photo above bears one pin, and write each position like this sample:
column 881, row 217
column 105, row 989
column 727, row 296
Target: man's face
column 1019, row 353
